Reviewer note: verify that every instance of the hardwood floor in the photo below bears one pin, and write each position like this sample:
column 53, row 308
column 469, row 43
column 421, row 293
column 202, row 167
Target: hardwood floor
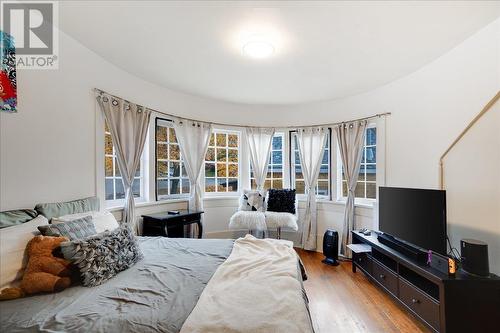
column 342, row 301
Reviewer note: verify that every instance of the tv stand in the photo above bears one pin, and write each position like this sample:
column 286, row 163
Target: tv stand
column 408, row 250
column 463, row 303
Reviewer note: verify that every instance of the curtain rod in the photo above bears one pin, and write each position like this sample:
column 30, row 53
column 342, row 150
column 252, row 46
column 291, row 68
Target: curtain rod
column 378, row 115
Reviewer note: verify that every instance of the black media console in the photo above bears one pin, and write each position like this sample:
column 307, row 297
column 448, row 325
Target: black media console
column 463, row 303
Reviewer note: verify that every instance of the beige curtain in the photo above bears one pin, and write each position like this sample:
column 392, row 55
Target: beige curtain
column 351, row 138
column 194, row 138
column 311, row 142
column 128, row 124
column 259, row 145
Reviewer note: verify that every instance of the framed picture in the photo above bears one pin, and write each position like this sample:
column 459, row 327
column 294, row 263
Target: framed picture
column 8, row 86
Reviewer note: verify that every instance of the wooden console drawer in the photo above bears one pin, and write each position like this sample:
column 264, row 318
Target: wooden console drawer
column 364, row 261
column 424, row 306
column 385, row 277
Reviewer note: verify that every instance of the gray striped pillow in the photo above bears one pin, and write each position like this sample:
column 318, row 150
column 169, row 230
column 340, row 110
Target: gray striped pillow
column 76, row 229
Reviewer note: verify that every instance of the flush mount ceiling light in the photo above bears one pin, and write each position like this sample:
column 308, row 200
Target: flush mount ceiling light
column 258, row 49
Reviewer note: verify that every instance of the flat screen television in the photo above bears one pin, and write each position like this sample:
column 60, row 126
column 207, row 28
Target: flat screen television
column 414, row 216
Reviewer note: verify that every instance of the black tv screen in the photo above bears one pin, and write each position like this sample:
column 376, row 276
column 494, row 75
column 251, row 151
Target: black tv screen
column 415, row 216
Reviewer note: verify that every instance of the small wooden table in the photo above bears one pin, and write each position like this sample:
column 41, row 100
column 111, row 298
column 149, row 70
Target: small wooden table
column 171, row 225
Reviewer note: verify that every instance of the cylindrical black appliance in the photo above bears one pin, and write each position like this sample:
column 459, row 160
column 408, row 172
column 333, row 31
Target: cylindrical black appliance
column 474, row 255
column 331, row 247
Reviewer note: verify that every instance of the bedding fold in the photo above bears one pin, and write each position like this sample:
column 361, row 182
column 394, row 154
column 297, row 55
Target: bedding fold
column 257, row 289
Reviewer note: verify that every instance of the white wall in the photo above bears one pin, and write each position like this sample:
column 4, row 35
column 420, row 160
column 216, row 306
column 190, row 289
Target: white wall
column 473, row 186
column 47, row 150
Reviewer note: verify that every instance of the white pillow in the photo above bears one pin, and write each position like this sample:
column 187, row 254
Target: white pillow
column 13, row 242
column 103, row 221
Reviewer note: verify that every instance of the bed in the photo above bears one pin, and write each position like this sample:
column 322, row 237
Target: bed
column 174, row 289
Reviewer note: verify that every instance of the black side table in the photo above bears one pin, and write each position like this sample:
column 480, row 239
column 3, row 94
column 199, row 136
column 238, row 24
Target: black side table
column 170, row 225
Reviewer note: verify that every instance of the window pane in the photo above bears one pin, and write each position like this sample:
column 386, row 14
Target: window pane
column 210, row 154
column 371, row 172
column 185, row 185
column 233, row 140
column 233, row 155
column 209, row 170
column 297, row 158
column 175, row 153
column 371, row 136
column 267, row 184
column 136, row 188
column 371, row 190
column 221, row 140
column 277, row 142
column 161, row 133
column 232, row 170
column 253, row 184
column 277, row 184
column 109, row 189
column 108, row 144
column 221, row 154
column 210, row 185
column 232, row 185
column 175, row 169
column 108, row 166
column 162, row 169
column 322, row 188
column 184, row 173
column 120, row 192
column 162, row 187
column 277, row 173
column 325, row 157
column 171, row 135
column 298, row 172
column 212, row 141
column 221, row 170
column 371, row 156
column 323, row 172
column 360, row 190
column 175, row 186
column 161, row 151
column 300, row 187
column 277, row 157
column 221, row 184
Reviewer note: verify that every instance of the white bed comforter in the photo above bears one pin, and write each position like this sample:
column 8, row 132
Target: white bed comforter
column 257, row 289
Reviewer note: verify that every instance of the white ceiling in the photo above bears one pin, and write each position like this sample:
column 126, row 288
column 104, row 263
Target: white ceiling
column 324, row 50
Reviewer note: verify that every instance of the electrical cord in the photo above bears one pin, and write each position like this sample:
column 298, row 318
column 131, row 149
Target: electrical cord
column 454, row 252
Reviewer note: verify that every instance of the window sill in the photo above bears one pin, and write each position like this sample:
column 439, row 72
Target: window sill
column 363, row 204
column 148, row 204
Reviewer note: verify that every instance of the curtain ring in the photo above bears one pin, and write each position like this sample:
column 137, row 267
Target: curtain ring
column 127, row 107
column 105, row 99
column 114, row 102
column 139, row 110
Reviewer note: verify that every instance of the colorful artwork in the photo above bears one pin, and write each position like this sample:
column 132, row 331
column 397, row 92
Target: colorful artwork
column 8, row 86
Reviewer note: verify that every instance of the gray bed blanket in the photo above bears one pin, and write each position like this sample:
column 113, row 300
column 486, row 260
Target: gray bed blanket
column 155, row 295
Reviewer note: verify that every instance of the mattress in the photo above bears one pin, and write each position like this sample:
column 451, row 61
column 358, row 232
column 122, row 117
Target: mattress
column 155, row 295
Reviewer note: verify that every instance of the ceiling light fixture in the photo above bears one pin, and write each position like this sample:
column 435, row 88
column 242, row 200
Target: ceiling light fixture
column 258, row 49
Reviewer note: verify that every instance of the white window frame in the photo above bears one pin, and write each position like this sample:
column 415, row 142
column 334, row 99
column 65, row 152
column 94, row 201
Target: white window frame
column 239, row 177
column 167, row 123
column 379, row 162
column 271, row 164
column 292, row 164
column 142, row 174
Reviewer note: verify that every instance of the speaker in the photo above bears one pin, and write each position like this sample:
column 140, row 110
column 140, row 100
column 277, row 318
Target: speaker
column 331, row 247
column 474, row 257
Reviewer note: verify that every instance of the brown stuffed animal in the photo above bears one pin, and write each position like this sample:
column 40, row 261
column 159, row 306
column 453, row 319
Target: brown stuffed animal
column 44, row 272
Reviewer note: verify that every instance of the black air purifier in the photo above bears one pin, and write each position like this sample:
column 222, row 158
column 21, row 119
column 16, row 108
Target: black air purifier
column 331, row 247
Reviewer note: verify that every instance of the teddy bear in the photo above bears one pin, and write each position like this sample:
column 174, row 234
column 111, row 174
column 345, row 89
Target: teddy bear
column 44, row 272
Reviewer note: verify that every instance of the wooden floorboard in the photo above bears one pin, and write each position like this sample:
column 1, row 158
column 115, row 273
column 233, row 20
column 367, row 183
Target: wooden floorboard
column 342, row 301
